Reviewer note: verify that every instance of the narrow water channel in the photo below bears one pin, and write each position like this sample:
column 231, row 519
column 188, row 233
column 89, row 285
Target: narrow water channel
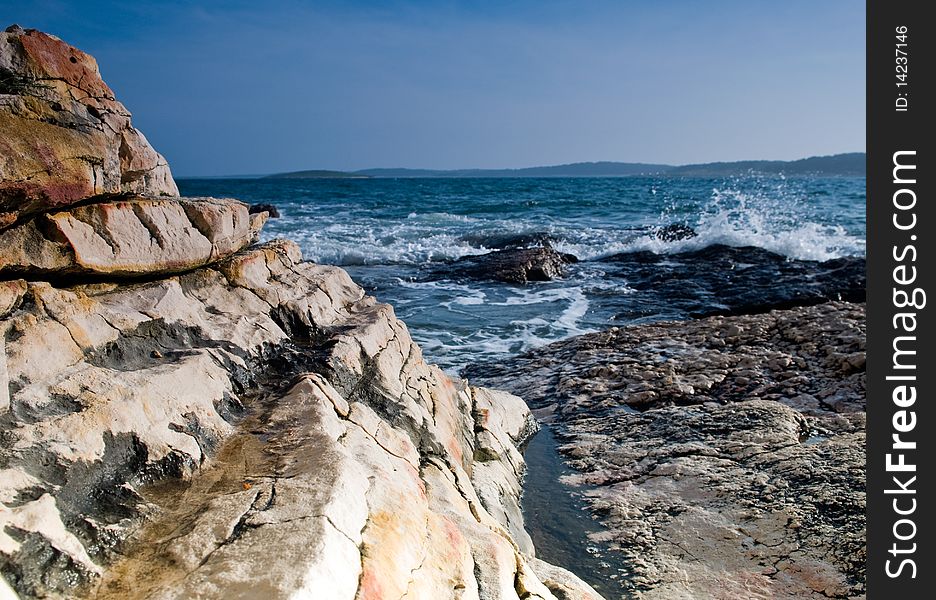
column 558, row 522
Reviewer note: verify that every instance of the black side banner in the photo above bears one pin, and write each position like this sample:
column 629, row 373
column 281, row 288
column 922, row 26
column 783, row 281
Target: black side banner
column 901, row 368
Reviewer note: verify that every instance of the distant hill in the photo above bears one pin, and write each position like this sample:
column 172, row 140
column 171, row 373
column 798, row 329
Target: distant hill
column 838, row 164
column 585, row 169
column 852, row 164
column 317, row 174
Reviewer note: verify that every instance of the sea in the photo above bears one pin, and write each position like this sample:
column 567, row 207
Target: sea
column 759, row 240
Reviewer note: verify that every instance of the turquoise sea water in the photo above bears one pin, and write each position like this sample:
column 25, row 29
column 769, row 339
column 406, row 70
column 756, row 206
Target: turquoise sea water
column 386, row 231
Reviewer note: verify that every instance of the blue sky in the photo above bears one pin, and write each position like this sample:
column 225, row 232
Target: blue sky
column 259, row 87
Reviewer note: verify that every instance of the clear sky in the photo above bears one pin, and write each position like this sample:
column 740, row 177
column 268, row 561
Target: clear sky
column 250, row 87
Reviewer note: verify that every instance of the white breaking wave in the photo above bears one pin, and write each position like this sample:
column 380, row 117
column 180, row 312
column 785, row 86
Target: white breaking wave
column 735, row 218
column 774, row 219
column 486, row 325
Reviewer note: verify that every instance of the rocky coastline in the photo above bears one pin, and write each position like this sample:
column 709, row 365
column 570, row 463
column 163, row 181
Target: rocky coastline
column 185, row 413
column 722, row 457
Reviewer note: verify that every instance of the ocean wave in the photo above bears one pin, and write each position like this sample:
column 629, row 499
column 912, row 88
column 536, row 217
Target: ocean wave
column 489, row 322
column 734, row 218
column 809, row 241
column 777, row 218
column 346, row 244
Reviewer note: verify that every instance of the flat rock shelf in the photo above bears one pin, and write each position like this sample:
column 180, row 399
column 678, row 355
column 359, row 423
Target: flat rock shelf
column 722, row 457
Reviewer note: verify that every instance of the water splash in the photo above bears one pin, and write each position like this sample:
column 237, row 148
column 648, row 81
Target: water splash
column 800, row 220
column 774, row 219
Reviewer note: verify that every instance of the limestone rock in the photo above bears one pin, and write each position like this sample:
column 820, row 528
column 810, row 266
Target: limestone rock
column 233, row 423
column 502, row 423
column 563, row 584
column 258, row 427
column 129, row 237
column 65, row 135
column 11, row 293
column 723, row 457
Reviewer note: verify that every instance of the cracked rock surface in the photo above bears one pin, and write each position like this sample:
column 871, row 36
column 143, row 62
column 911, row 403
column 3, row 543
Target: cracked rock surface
column 724, row 457
column 256, row 428
column 65, row 135
column 129, row 237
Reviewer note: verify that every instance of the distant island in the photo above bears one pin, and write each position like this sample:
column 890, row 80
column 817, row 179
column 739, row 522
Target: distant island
column 318, row 174
column 844, row 165
column 851, row 164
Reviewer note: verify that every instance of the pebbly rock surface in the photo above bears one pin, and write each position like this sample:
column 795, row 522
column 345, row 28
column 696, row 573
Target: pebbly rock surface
column 724, row 457
column 129, row 237
column 65, row 135
column 258, row 427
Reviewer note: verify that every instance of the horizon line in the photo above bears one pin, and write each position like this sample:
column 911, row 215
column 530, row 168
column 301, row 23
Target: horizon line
column 468, row 169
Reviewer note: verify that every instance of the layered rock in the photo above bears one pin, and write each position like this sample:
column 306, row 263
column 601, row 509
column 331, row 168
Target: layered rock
column 259, row 426
column 129, row 237
column 65, row 135
column 724, row 457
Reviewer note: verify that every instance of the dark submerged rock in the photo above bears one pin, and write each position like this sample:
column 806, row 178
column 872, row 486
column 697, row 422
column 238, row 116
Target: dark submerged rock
column 516, row 265
column 674, row 232
column 727, row 280
column 264, row 207
column 509, row 241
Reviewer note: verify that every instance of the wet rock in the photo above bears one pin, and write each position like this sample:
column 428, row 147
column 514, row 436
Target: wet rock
column 723, row 456
column 674, row 232
column 258, row 425
column 509, row 241
column 270, row 209
column 516, row 265
column 727, row 280
column 128, row 237
column 66, row 137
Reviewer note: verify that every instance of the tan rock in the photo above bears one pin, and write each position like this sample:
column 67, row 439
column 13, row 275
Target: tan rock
column 11, row 292
column 502, row 422
column 230, row 424
column 4, row 375
column 156, row 415
column 65, row 135
column 563, row 584
column 129, row 237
